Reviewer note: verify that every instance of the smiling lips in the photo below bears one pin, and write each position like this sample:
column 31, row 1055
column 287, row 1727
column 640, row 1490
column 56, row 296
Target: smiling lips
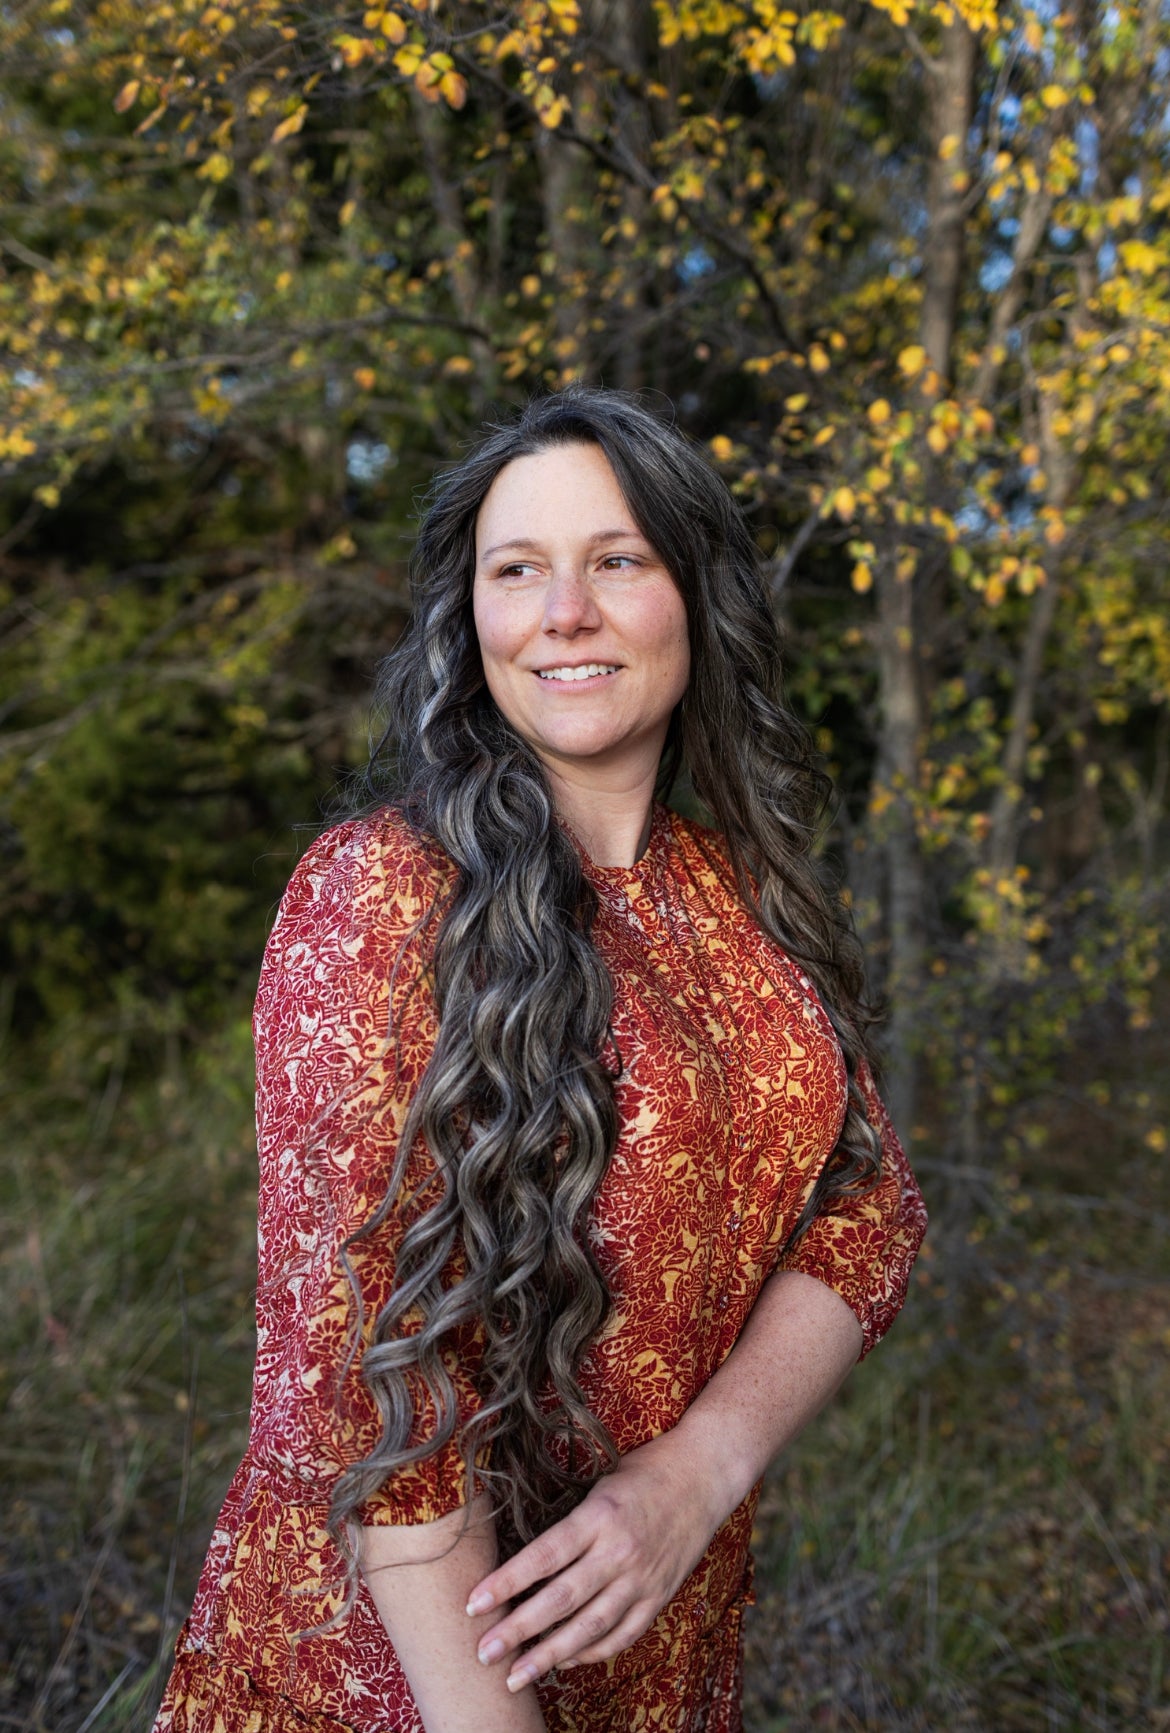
column 585, row 671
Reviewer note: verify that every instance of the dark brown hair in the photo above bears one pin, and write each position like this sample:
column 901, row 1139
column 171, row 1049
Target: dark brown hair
column 517, row 1104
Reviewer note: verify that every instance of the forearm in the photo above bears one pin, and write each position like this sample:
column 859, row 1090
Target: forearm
column 420, row 1579
column 603, row 1573
column 797, row 1347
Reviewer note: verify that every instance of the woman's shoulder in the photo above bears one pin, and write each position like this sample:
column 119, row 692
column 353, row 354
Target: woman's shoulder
column 375, row 870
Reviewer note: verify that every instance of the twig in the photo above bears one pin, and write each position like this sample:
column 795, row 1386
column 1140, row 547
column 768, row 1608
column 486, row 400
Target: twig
column 107, row 1694
column 799, row 542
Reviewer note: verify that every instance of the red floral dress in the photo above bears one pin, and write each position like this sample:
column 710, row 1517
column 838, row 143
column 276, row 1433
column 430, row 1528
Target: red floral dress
column 731, row 1096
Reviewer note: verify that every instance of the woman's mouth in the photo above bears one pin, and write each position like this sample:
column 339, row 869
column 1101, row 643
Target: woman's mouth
column 582, row 671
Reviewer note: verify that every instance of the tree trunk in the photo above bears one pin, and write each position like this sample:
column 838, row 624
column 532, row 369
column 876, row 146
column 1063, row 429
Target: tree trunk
column 453, row 238
column 951, row 109
column 900, row 739
column 900, row 653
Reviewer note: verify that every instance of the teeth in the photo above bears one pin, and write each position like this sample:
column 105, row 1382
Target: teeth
column 582, row 673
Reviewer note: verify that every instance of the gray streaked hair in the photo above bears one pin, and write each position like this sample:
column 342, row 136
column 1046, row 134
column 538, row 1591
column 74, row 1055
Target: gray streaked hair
column 517, row 1104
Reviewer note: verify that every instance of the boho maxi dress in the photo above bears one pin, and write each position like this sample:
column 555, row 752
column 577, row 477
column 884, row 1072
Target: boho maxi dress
column 731, row 1095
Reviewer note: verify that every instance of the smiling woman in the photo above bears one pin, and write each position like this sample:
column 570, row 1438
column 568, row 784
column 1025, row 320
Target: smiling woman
column 583, row 636
column 577, row 1198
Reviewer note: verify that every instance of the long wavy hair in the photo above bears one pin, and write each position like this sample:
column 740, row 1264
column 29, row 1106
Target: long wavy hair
column 517, row 1103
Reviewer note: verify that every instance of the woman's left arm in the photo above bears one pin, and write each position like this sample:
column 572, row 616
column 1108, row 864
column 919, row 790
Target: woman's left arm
column 610, row 1567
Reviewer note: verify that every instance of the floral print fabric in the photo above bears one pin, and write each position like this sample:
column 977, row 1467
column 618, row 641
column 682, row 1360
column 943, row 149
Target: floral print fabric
column 731, row 1096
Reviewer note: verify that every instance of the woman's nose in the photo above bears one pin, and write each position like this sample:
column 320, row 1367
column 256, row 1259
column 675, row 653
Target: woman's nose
column 569, row 602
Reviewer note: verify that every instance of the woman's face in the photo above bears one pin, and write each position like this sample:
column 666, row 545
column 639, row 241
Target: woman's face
column 582, row 629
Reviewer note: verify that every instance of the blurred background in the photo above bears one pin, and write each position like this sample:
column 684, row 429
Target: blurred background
column 904, row 269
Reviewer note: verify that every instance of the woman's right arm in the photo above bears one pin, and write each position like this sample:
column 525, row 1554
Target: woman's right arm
column 420, row 1578
column 332, row 1096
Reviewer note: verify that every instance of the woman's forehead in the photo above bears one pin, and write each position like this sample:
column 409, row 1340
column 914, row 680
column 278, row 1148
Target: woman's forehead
column 559, row 491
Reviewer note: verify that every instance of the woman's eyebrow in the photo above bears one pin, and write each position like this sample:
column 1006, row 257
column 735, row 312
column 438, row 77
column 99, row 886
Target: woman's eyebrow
column 527, row 542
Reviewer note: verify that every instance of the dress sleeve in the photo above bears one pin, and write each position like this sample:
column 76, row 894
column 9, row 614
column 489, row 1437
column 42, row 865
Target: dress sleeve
column 344, row 1028
column 864, row 1247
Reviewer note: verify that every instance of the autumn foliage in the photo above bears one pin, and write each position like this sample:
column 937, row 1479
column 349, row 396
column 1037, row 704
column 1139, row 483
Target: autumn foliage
column 903, row 268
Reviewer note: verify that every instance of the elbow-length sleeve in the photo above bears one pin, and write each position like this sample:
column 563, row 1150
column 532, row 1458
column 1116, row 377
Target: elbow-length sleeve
column 344, row 1028
column 864, row 1247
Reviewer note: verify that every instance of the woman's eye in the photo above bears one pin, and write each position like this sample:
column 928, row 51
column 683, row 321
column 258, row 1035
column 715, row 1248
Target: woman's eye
column 618, row 562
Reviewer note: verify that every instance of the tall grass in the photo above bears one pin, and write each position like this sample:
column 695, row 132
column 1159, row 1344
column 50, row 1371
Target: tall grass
column 974, row 1536
column 127, row 1271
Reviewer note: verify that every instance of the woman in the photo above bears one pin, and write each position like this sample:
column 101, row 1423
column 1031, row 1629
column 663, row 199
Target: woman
column 577, row 1199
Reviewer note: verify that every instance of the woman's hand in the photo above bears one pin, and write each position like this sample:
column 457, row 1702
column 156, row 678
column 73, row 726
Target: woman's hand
column 608, row 1569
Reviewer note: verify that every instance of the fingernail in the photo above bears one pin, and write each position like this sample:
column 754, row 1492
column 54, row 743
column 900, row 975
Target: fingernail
column 491, row 1651
column 479, row 1602
column 521, row 1677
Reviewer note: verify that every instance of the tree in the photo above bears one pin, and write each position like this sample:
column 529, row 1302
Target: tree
column 902, row 266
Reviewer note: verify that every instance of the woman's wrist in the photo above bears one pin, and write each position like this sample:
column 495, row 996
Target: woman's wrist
column 718, row 1459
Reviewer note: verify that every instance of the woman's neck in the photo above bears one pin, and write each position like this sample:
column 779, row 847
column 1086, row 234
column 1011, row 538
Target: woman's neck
column 610, row 820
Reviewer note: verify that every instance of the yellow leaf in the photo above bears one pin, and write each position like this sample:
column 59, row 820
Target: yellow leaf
column 457, row 366
column 845, row 503
column 426, row 82
column 948, row 147
column 530, row 286
column 341, row 547
column 217, row 167
column 825, row 434
column 127, row 96
column 722, row 447
column 392, row 27
column 1053, row 96
column 365, row 377
column 352, row 50
column 453, row 89
column 818, row 359
column 48, row 495
column 797, row 402
column 912, row 360
column 347, row 213
column 1139, row 256
column 292, row 125
column 861, row 577
column 152, row 119
column 879, row 412
column 937, row 440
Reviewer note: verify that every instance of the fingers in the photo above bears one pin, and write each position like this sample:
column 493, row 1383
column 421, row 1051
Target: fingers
column 551, row 1552
column 561, row 1598
column 623, row 1635
column 594, row 1628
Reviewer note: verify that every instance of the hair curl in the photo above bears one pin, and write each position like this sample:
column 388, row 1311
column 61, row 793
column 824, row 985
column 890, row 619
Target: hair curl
column 517, row 1104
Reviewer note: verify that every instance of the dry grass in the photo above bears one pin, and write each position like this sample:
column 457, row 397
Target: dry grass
column 974, row 1537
